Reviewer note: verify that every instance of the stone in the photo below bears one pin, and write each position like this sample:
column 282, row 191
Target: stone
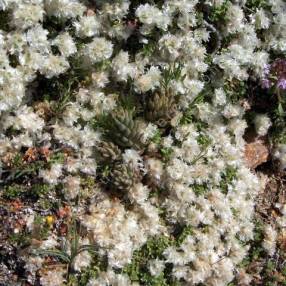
column 256, row 153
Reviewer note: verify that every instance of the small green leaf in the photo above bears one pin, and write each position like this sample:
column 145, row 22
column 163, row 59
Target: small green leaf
column 55, row 253
column 280, row 110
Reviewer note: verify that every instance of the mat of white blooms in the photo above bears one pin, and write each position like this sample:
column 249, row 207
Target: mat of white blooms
column 199, row 192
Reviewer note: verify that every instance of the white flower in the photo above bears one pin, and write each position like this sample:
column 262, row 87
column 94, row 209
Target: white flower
column 235, row 18
column 233, row 61
column 155, row 168
column 139, row 193
column 183, row 6
column 99, row 79
column 122, row 69
column 262, row 123
column 156, row 267
column 187, row 20
column 152, row 16
column 24, row 118
column 131, row 156
column 30, row 221
column 37, row 37
column 99, row 50
column 115, row 228
column 170, row 46
column 167, row 142
column 149, row 132
column 102, row 103
column 193, row 88
column 88, row 166
column 269, row 241
column 88, row 26
column 64, row 8
column 72, row 186
column 259, row 61
column 219, row 97
column 12, row 90
column 149, row 80
column 27, row 15
column 147, row 13
column 280, row 154
column 110, row 278
column 65, row 44
column 82, row 260
column 231, row 111
column 50, row 242
column 261, row 19
column 52, row 277
column 51, row 175
column 54, row 65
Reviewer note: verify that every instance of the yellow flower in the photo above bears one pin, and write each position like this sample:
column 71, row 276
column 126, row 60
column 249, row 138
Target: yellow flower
column 50, row 220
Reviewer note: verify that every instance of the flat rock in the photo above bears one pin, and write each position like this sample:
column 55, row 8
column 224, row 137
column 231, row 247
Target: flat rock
column 256, row 153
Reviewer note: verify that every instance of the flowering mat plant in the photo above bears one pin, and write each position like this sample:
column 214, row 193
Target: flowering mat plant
column 142, row 142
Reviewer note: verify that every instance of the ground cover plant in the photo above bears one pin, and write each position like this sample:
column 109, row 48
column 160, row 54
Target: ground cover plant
column 142, row 142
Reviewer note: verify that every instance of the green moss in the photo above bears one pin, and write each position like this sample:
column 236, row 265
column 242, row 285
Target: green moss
column 218, row 14
column 88, row 182
column 268, row 283
column 256, row 250
column 46, row 204
column 57, row 158
column 284, row 271
column 186, row 231
column 150, row 280
column 189, row 117
column 41, row 228
column 157, row 137
column 13, row 192
column 17, row 160
column 227, row 178
column 149, row 48
column 255, row 4
column 21, row 239
column 278, row 133
column 155, row 247
column 270, row 266
column 137, row 270
column 204, row 140
column 199, row 189
column 166, row 153
column 235, row 90
column 22, row 169
column 86, row 275
column 98, row 264
column 39, row 190
column 34, row 192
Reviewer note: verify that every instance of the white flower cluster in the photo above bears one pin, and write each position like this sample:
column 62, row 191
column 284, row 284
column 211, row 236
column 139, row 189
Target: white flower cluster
column 280, row 154
column 220, row 220
column 275, row 232
column 151, row 16
column 207, row 185
column 120, row 231
column 262, row 124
